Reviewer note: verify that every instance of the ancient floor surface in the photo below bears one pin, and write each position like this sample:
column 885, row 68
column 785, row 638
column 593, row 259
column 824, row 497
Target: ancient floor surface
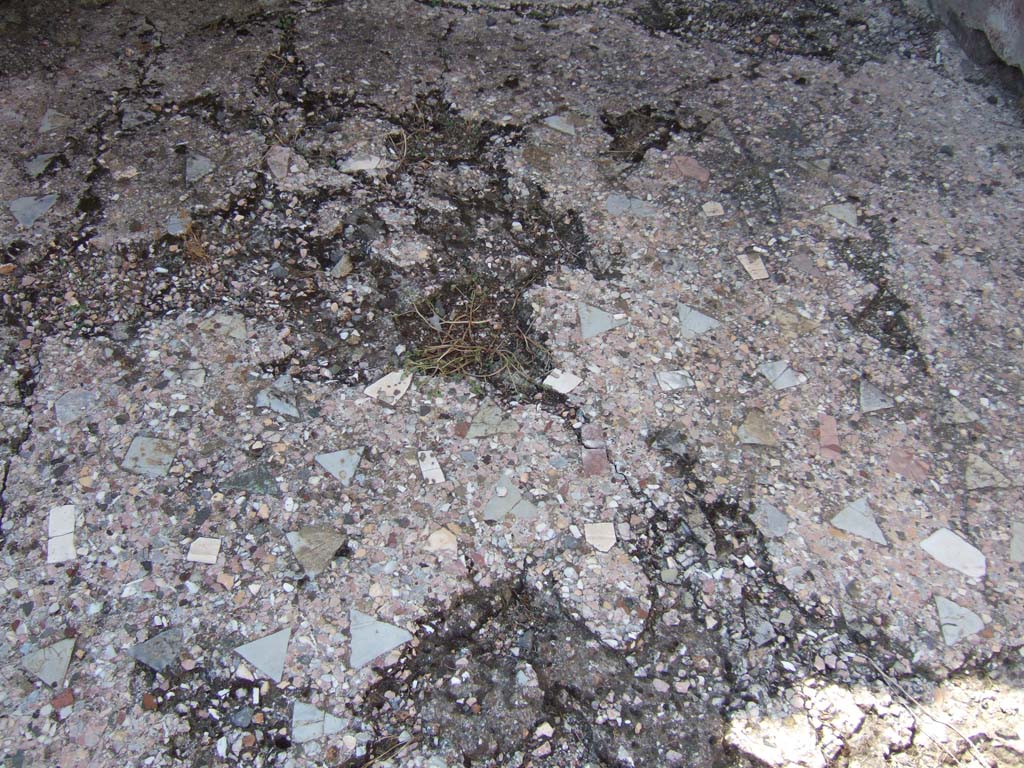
column 545, row 383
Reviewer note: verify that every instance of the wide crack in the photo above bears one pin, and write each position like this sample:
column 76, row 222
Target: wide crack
column 884, row 315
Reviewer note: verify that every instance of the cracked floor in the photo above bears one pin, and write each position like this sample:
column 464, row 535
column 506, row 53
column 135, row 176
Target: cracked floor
column 613, row 383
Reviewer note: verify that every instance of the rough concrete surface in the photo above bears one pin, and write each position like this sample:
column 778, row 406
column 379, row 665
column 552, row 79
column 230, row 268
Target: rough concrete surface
column 610, row 383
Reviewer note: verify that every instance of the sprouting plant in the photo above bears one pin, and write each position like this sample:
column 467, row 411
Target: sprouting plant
column 477, row 334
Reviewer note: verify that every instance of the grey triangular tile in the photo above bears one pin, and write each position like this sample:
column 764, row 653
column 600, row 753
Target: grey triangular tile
column 856, row 518
column 955, row 621
column 280, row 397
column 74, row 404
column 333, row 724
column 694, row 322
column 780, row 375
column 372, row 638
column 307, row 722
column 756, row 430
column 845, row 212
column 594, row 321
column 958, row 413
column 50, row 664
column 489, row 421
column 149, row 456
column 37, row 166
column 670, row 381
column 1017, row 543
column 268, row 653
column 197, row 166
column 160, row 651
column 770, row 520
column 342, row 464
column 28, row 210
column 508, row 499
column 310, row 723
column 872, row 398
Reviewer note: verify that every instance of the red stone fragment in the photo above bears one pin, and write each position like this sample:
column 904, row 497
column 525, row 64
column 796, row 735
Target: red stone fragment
column 63, row 699
column 595, row 462
column 691, row 169
column 592, row 436
column 828, row 437
column 904, row 462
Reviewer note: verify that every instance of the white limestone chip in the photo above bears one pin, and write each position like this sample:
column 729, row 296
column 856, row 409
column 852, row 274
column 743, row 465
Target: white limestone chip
column 442, row 540
column 601, row 536
column 61, row 549
column 562, row 381
column 361, row 163
column 754, row 266
column 63, row 520
column 391, row 387
column 430, row 468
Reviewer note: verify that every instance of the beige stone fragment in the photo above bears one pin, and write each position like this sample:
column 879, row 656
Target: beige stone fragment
column 980, row 474
column 204, row 550
column 756, row 430
column 442, row 540
column 754, row 266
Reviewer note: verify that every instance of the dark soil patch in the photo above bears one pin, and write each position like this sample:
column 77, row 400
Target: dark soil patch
column 638, row 130
column 222, row 707
column 434, row 132
column 523, row 660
